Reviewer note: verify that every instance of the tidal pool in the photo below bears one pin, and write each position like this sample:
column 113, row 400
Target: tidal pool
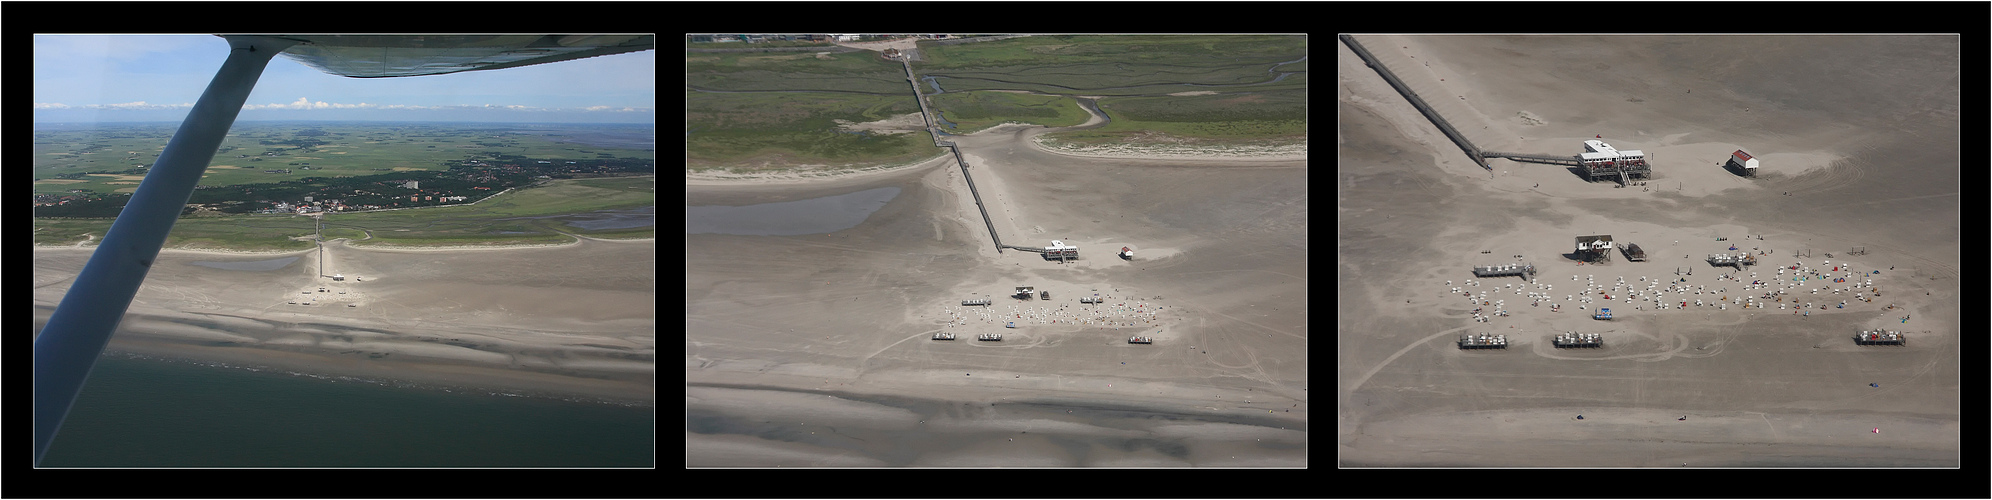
column 789, row 218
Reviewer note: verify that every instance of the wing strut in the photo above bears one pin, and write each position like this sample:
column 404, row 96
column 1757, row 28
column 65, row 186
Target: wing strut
column 82, row 324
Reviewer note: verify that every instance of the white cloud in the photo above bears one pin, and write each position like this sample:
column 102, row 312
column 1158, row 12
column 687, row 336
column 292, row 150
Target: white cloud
column 613, row 109
column 306, row 103
column 139, row 105
column 122, row 106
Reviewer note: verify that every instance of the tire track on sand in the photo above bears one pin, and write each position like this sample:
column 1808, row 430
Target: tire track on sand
column 1267, row 328
column 1393, row 357
column 862, row 365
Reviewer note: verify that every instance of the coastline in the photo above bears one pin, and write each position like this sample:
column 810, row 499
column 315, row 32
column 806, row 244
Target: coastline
column 1296, row 152
column 791, row 178
column 212, row 251
column 346, row 242
column 460, row 248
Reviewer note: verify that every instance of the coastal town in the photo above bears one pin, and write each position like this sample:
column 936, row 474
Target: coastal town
column 465, row 181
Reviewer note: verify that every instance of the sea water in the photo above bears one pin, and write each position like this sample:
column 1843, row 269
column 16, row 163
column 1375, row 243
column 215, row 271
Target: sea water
column 146, row 412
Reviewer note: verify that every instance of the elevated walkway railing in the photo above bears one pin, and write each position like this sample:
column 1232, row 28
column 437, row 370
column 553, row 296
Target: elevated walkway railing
column 1535, row 158
column 1416, row 101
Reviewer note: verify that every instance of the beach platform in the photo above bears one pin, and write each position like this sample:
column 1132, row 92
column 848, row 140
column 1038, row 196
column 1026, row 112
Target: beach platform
column 1879, row 337
column 1578, row 340
column 1526, row 271
column 1483, row 341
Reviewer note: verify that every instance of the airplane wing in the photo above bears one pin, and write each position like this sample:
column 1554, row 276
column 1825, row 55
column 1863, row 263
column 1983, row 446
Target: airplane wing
column 68, row 345
column 379, row 56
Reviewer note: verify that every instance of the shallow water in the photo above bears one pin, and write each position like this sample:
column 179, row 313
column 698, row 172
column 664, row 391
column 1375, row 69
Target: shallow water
column 606, row 136
column 811, row 216
column 142, row 411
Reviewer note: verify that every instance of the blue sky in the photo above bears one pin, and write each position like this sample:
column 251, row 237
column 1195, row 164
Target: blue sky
column 114, row 78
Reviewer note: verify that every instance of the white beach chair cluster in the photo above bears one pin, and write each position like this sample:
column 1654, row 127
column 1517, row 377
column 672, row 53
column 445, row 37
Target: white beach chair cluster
column 960, row 316
column 1644, row 293
column 1108, row 313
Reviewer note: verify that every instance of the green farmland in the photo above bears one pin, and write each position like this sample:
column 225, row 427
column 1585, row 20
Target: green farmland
column 761, row 111
column 1262, row 118
column 779, row 130
column 95, row 166
column 974, row 111
column 64, row 157
column 502, row 220
column 851, row 72
column 1118, row 65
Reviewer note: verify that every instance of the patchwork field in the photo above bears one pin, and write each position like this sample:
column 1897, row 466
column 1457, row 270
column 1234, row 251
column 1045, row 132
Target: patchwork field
column 529, row 215
column 306, row 149
column 524, row 216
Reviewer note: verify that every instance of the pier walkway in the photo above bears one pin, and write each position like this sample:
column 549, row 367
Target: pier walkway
column 933, row 131
column 1417, row 102
column 1479, row 157
column 1568, row 161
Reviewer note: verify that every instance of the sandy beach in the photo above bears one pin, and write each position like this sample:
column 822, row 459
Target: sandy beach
column 1754, row 366
column 812, row 177
column 1184, row 152
column 816, row 349
column 569, row 320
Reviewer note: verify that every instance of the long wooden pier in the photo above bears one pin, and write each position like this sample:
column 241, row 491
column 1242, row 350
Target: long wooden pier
column 1479, row 157
column 1568, row 161
column 934, row 131
column 1417, row 102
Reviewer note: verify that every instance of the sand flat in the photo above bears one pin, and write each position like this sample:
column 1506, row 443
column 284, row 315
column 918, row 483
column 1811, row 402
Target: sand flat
column 850, row 313
column 1766, row 385
column 569, row 320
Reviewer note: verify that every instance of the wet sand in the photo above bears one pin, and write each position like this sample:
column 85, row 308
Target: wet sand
column 815, row 350
column 574, row 320
column 1868, row 159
